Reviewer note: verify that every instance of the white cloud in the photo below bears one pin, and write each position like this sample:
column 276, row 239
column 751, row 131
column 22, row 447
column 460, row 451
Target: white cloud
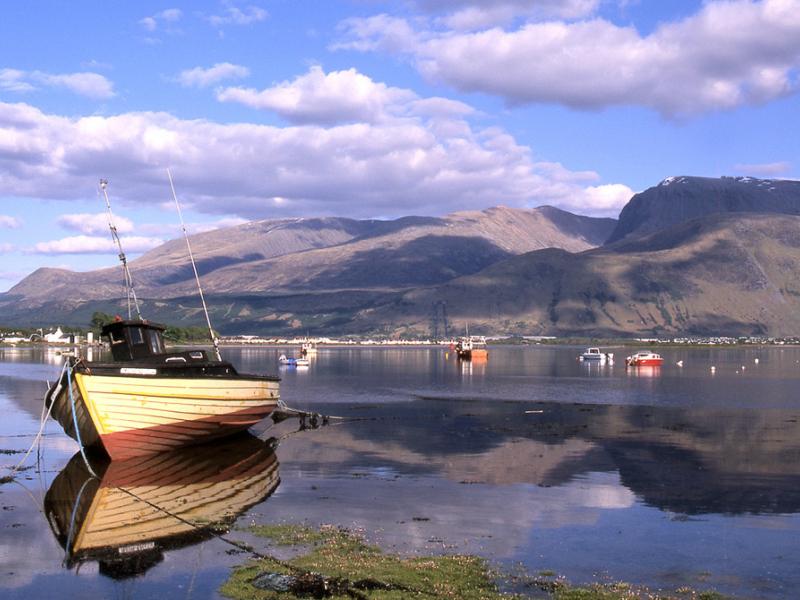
column 317, row 97
column 170, row 15
column 149, row 23
column 13, row 80
column 87, row 84
column 200, row 77
column 773, row 169
column 92, row 85
column 440, row 107
column 233, row 15
column 5, row 248
column 7, row 222
column 84, row 244
column 602, row 199
column 728, row 54
column 393, row 167
column 472, row 14
column 93, row 223
column 380, row 32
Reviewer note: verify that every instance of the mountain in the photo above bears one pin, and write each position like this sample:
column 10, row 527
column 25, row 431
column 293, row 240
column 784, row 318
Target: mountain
column 735, row 273
column 254, row 268
column 691, row 255
column 679, row 199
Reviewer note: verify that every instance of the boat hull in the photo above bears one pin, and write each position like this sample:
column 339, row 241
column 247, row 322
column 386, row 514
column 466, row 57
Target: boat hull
column 135, row 416
column 476, row 354
column 646, row 362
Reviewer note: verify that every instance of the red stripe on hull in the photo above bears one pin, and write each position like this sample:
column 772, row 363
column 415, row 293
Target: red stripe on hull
column 648, row 362
column 122, row 445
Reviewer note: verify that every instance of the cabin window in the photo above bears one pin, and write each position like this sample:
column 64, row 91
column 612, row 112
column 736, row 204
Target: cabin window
column 156, row 343
column 136, row 336
column 117, row 337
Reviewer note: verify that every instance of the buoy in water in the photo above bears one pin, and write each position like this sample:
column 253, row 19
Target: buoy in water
column 755, row 360
column 679, row 363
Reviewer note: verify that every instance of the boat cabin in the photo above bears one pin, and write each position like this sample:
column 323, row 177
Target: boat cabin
column 134, row 340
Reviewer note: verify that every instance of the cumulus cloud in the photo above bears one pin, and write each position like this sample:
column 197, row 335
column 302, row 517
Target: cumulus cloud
column 84, row 244
column 472, row 14
column 233, row 15
column 773, row 169
column 728, row 54
column 5, row 248
column 392, row 167
column 319, row 97
column 93, row 223
column 603, row 199
column 170, row 15
column 7, row 222
column 200, row 77
column 92, row 85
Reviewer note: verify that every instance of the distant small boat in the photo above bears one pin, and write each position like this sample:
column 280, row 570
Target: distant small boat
column 308, row 349
column 469, row 348
column 645, row 358
column 596, row 356
column 290, row 361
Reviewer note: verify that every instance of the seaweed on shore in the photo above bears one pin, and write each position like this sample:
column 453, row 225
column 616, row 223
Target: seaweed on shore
column 338, row 564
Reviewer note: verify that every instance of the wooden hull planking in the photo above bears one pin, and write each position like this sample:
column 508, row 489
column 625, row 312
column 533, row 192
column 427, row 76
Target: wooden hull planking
column 135, row 416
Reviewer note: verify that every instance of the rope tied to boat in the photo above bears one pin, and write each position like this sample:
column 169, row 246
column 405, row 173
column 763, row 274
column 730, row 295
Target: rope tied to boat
column 42, row 422
column 75, row 418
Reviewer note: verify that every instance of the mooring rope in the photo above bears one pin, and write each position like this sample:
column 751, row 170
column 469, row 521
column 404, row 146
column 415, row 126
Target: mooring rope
column 42, row 423
column 75, row 421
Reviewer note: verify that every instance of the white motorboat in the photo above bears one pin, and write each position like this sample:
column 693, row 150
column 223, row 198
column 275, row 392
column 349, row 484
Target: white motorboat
column 596, row 356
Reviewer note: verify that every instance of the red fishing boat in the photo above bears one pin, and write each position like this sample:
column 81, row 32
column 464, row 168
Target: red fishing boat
column 645, row 358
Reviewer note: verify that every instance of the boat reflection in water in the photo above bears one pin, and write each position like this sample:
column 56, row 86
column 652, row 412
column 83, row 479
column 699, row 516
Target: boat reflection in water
column 645, row 371
column 139, row 507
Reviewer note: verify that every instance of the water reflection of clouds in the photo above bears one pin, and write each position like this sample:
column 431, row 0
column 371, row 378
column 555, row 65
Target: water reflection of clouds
column 425, row 514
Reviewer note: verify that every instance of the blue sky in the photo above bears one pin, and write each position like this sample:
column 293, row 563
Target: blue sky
column 364, row 108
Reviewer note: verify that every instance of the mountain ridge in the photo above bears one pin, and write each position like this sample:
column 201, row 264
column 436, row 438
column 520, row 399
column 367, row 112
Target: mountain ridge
column 677, row 199
column 691, row 255
column 318, row 254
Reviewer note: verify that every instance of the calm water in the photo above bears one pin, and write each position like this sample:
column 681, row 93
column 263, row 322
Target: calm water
column 665, row 477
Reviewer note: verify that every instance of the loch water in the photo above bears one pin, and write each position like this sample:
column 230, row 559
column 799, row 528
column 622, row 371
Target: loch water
column 667, row 477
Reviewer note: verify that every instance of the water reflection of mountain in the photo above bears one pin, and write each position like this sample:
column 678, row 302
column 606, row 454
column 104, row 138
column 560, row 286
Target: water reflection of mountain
column 140, row 507
column 684, row 460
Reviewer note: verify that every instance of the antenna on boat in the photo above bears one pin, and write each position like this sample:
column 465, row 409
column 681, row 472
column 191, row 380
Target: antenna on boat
column 214, row 339
column 130, row 292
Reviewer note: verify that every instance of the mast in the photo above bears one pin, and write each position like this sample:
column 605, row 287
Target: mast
column 130, row 292
column 214, row 339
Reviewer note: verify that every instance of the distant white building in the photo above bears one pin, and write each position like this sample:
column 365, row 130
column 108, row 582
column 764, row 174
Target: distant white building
column 57, row 337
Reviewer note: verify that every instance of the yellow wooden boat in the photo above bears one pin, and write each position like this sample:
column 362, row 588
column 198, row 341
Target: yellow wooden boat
column 139, row 507
column 148, row 400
